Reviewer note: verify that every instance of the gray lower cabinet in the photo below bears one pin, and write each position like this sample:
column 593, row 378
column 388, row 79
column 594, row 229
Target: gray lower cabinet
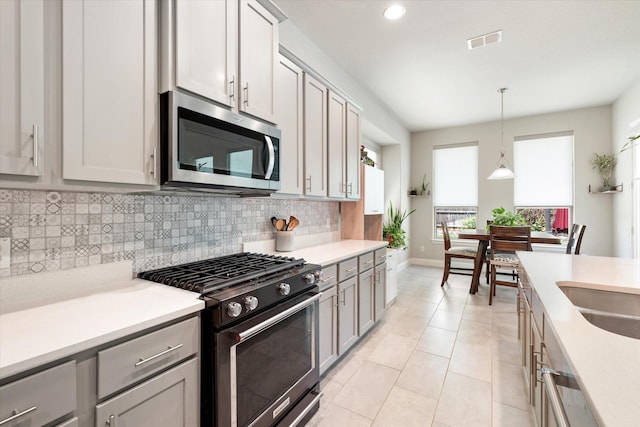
column 347, row 314
column 328, row 337
column 366, row 295
column 71, row 423
column 40, row 398
column 168, row 399
column 380, row 284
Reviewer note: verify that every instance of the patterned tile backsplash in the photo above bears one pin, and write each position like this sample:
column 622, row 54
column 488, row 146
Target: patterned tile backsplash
column 53, row 230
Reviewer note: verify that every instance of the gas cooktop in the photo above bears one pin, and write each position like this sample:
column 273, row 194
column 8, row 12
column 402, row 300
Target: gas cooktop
column 210, row 275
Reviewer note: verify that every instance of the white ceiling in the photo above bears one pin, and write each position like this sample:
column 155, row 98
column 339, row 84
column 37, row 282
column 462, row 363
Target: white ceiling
column 555, row 55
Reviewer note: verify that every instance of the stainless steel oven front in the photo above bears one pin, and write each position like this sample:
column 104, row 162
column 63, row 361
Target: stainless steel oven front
column 265, row 369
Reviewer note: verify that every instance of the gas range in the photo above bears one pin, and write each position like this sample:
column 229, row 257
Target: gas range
column 240, row 285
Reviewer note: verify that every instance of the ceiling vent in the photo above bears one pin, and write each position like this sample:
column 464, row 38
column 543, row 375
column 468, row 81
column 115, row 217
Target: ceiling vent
column 484, row 40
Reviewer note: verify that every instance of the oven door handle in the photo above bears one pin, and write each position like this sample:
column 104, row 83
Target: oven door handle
column 248, row 333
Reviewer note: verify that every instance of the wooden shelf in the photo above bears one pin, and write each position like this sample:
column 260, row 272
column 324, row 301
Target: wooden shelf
column 616, row 189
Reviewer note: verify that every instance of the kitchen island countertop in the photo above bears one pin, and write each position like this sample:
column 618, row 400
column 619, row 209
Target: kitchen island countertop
column 606, row 364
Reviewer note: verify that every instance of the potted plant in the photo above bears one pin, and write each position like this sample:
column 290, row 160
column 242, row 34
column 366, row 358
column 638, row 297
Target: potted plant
column 503, row 217
column 604, row 163
column 425, row 185
column 392, row 231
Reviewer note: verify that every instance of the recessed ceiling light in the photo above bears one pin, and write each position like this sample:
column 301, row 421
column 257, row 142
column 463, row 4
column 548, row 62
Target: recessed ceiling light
column 395, row 11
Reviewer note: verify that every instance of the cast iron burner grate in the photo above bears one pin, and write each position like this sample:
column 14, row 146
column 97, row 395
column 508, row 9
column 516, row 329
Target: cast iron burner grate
column 213, row 274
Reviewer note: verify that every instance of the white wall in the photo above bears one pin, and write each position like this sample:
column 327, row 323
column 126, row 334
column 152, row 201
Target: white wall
column 592, row 131
column 624, row 111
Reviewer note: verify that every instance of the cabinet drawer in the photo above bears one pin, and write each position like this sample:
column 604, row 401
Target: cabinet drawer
column 365, row 262
column 347, row 269
column 40, row 398
column 329, row 277
column 129, row 362
column 380, row 255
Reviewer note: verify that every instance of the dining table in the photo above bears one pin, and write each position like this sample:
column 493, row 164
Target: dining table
column 482, row 236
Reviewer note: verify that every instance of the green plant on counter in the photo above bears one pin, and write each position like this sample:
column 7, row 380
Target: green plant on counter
column 506, row 218
column 392, row 231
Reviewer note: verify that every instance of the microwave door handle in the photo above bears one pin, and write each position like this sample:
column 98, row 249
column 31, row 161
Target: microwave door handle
column 272, row 157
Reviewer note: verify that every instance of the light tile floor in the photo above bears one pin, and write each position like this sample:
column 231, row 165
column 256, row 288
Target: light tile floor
column 440, row 357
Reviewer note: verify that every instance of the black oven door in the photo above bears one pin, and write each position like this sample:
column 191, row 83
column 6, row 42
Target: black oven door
column 266, row 365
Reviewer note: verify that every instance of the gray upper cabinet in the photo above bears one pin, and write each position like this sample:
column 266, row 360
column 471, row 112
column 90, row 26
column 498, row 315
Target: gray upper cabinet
column 337, row 143
column 258, row 60
column 206, row 44
column 109, row 91
column 352, row 159
column 289, row 113
column 225, row 50
column 315, row 137
column 22, row 132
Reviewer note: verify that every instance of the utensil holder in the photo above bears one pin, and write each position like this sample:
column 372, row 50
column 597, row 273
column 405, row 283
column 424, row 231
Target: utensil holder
column 284, row 241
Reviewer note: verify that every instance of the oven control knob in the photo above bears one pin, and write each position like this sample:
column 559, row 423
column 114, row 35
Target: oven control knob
column 309, row 278
column 234, row 309
column 250, row 303
column 318, row 274
column 284, row 288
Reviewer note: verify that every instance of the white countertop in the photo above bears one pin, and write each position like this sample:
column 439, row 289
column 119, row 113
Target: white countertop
column 48, row 316
column 331, row 253
column 607, row 365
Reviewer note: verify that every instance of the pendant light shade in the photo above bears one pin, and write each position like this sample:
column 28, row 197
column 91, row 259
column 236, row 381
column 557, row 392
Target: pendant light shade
column 502, row 171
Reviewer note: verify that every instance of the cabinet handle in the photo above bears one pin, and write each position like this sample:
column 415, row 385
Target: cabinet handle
column 309, row 186
column 232, row 87
column 554, row 399
column 34, row 135
column 350, row 192
column 369, row 262
column 344, row 297
column 327, row 279
column 246, row 94
column 349, row 270
column 17, row 414
column 337, row 298
column 111, row 421
column 154, row 160
column 531, row 360
column 142, row 360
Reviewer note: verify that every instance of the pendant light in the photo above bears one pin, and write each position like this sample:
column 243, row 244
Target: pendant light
column 502, row 171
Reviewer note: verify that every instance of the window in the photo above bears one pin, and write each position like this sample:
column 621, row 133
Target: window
column 543, row 186
column 455, row 187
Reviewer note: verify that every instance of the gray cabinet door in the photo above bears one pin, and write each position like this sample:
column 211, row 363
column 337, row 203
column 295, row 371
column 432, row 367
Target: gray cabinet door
column 380, row 288
column 347, row 314
column 169, row 399
column 365, row 301
column 328, row 337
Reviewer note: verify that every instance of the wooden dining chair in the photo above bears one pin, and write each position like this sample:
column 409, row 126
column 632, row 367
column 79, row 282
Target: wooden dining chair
column 504, row 241
column 579, row 241
column 451, row 252
column 572, row 238
column 576, row 230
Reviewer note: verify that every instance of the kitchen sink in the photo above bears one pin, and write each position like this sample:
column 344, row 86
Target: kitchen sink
column 616, row 312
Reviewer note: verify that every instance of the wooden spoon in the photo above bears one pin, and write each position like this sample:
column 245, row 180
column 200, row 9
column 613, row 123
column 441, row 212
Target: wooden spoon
column 280, row 224
column 293, row 223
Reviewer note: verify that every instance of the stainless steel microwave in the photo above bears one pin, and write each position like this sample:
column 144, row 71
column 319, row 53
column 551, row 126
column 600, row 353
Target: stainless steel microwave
column 208, row 148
